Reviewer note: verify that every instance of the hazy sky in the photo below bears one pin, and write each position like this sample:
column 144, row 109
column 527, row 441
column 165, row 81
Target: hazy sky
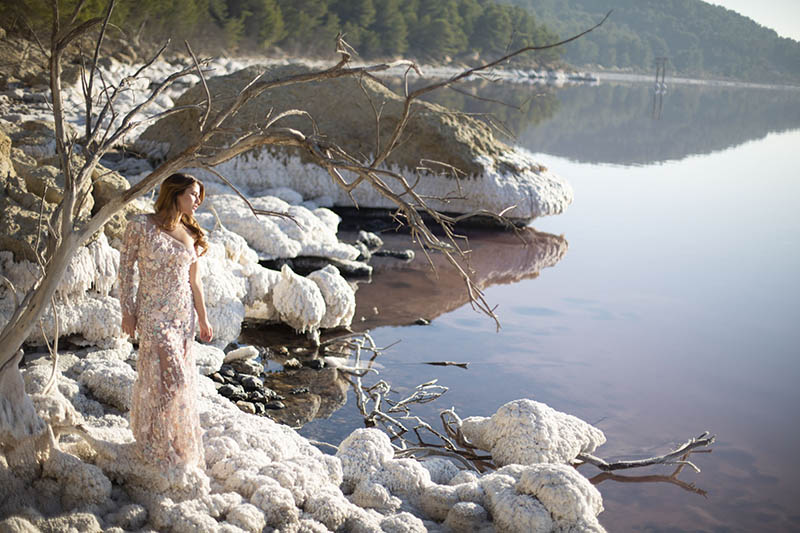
column 783, row 16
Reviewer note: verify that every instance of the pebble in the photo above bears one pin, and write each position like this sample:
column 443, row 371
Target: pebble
column 229, row 390
column 247, row 407
column 252, row 368
column 227, row 372
column 271, row 394
column 316, row 364
column 256, row 396
column 252, row 383
column 274, row 404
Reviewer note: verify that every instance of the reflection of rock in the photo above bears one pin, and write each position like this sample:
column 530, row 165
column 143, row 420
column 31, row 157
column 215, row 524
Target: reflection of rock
column 496, row 175
column 402, row 292
column 327, row 392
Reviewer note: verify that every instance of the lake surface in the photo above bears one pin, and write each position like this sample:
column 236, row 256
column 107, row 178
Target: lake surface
column 662, row 303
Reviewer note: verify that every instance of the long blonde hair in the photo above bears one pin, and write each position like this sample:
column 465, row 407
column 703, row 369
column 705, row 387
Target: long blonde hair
column 167, row 214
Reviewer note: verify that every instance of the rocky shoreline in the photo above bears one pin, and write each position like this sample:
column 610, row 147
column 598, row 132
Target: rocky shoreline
column 260, row 475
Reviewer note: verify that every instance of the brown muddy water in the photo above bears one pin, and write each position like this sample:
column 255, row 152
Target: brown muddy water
column 663, row 303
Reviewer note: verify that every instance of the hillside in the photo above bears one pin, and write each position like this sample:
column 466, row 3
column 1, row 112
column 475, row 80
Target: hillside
column 439, row 31
column 699, row 39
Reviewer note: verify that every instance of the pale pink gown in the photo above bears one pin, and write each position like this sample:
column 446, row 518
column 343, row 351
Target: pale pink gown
column 163, row 416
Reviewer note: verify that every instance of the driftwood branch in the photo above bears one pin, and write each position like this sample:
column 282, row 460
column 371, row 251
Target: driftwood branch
column 671, row 458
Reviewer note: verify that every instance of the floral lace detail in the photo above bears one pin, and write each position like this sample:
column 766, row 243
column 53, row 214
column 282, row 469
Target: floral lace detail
column 164, row 417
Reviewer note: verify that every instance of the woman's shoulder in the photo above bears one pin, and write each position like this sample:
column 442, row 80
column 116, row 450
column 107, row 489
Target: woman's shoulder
column 140, row 221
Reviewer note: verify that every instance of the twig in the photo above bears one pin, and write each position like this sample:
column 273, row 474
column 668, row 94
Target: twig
column 670, row 458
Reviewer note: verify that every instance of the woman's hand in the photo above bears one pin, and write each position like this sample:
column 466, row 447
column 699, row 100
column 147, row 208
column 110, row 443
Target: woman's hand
column 206, row 333
column 129, row 324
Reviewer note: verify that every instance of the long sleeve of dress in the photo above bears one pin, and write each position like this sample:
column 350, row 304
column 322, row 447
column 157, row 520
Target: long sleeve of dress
column 127, row 260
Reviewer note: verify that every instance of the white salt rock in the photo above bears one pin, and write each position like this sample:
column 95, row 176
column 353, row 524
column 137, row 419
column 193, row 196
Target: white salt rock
column 340, row 299
column 298, row 301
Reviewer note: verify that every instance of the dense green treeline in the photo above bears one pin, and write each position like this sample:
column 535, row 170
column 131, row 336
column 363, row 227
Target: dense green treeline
column 699, row 39
column 431, row 30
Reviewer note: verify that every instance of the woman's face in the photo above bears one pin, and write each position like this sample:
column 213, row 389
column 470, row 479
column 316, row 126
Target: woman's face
column 189, row 200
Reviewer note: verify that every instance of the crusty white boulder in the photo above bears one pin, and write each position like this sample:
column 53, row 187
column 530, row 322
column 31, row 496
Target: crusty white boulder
column 527, row 432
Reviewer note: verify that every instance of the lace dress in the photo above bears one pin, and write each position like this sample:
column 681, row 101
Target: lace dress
column 163, row 415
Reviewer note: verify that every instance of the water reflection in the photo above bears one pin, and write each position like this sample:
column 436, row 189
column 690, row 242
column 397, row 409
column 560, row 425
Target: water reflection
column 627, row 124
column 403, row 292
column 614, row 123
column 398, row 294
column 308, row 394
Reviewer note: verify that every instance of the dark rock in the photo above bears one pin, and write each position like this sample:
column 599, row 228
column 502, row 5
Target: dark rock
column 34, row 98
column 247, row 366
column 299, row 390
column 229, row 391
column 238, row 397
column 227, row 371
column 405, row 255
column 271, row 394
column 307, row 264
column 316, row 364
column 252, row 383
column 217, row 377
column 256, row 396
column 274, row 404
column 260, row 409
column 422, row 322
column 231, row 346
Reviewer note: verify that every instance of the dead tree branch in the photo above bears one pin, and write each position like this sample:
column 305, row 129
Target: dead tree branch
column 671, row 458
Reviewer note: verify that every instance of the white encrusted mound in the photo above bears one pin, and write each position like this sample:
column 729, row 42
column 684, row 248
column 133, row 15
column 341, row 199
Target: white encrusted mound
column 339, row 296
column 299, row 301
column 225, row 287
column 526, row 432
column 308, row 233
column 513, row 179
column 261, row 475
column 517, row 498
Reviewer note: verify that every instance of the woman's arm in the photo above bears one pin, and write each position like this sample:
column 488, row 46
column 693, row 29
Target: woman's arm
column 127, row 260
column 206, row 333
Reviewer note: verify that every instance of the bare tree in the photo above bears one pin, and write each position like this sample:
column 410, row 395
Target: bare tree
column 106, row 128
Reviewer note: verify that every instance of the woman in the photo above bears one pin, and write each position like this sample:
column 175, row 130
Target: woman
column 166, row 246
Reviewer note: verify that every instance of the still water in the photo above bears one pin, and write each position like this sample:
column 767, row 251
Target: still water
column 664, row 302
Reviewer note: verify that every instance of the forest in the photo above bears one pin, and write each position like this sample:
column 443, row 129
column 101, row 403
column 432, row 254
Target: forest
column 699, row 39
column 439, row 31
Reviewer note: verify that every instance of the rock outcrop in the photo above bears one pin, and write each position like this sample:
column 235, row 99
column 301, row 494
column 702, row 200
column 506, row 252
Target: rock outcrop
column 494, row 176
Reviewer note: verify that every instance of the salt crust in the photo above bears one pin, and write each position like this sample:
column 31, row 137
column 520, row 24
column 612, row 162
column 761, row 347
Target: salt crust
column 534, row 190
column 245, row 353
column 263, row 476
column 299, row 301
column 339, row 296
column 305, row 233
column 235, row 286
column 513, row 179
column 527, row 432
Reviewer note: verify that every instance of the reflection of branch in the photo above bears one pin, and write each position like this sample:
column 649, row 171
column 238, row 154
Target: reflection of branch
column 689, row 487
column 672, row 458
